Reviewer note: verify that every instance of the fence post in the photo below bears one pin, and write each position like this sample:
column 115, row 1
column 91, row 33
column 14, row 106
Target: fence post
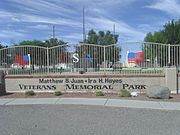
column 115, row 53
column 2, row 83
column 169, row 55
column 171, row 78
column 48, row 60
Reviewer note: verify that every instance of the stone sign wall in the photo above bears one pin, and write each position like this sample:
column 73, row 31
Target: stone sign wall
column 82, row 83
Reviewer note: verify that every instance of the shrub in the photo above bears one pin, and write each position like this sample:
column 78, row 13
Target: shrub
column 57, row 93
column 29, row 93
column 99, row 93
column 124, row 93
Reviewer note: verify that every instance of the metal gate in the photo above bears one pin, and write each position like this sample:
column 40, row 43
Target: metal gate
column 82, row 58
column 125, row 58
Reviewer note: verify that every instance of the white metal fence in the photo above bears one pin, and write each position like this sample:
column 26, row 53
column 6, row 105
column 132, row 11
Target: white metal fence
column 125, row 58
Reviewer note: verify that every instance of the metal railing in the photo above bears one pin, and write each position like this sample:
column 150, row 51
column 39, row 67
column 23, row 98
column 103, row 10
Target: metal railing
column 125, row 58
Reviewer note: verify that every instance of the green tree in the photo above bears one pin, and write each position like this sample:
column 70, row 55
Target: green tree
column 170, row 34
column 149, row 37
column 100, row 40
column 31, row 43
column 92, row 37
column 39, row 55
column 54, row 42
column 1, row 46
column 47, row 43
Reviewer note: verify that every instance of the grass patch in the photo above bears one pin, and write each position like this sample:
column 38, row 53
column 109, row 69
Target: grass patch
column 99, row 93
column 29, row 93
column 57, row 93
column 124, row 93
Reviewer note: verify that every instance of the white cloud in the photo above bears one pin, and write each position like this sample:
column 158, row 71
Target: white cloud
column 40, row 26
column 21, row 17
column 69, row 8
column 121, row 27
column 169, row 6
column 39, row 14
column 151, row 27
column 5, row 43
column 102, row 3
column 41, row 6
column 73, row 36
column 11, row 34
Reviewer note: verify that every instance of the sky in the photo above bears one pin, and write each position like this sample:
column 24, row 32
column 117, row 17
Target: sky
column 33, row 19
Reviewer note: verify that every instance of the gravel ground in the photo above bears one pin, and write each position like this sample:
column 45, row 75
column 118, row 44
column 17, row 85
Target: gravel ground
column 174, row 97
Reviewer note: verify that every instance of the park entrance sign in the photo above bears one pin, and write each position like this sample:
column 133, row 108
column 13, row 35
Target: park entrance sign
column 81, row 83
column 88, row 67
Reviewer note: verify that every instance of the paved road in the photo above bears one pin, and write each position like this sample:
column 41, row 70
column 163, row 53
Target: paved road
column 86, row 120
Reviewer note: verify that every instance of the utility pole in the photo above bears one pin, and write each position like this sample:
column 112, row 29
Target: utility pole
column 53, row 36
column 53, row 44
column 84, row 33
column 53, row 31
column 114, row 45
column 114, row 33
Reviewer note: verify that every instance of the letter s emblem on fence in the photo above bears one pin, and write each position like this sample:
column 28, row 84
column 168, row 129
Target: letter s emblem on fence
column 75, row 58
